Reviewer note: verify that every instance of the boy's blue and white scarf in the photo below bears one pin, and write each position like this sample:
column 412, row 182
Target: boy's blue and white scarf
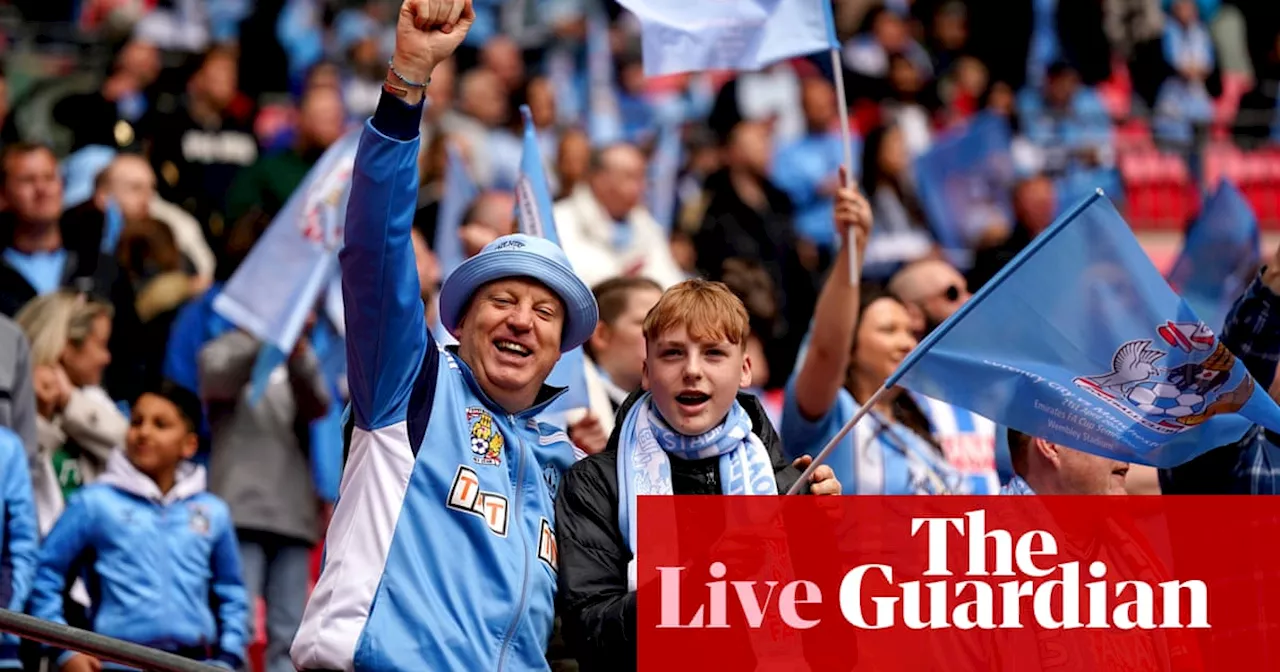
column 645, row 469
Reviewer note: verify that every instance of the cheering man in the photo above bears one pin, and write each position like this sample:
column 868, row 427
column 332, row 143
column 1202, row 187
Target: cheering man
column 441, row 553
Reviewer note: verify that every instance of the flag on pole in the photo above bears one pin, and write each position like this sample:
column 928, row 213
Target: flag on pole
column 534, row 216
column 964, row 182
column 681, row 36
column 280, row 282
column 1094, row 352
column 664, row 173
column 604, row 119
column 459, row 192
column 1220, row 255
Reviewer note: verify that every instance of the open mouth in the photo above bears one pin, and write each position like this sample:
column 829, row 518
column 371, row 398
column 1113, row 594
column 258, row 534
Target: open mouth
column 692, row 398
column 513, row 348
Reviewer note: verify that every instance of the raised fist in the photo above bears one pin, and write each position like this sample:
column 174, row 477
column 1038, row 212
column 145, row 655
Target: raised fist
column 427, row 33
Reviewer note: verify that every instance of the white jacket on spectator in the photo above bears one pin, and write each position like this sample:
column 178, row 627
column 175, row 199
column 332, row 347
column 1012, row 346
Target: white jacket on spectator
column 96, row 425
column 587, row 236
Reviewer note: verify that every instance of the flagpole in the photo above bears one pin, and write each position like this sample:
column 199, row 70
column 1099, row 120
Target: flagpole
column 848, row 426
column 846, row 136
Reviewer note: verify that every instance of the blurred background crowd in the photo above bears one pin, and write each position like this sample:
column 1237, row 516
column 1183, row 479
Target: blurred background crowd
column 145, row 145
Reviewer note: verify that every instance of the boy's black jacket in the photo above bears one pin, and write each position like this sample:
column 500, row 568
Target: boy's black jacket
column 597, row 612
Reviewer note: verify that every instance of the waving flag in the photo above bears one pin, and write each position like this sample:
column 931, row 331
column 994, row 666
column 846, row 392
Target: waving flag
column 1095, row 352
column 687, row 36
column 1219, row 256
column 459, row 192
column 604, row 120
column 533, row 213
column 664, row 173
column 280, row 282
column 964, row 182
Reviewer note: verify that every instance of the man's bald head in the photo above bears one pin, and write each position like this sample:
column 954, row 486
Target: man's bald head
column 617, row 178
column 130, row 181
column 933, row 287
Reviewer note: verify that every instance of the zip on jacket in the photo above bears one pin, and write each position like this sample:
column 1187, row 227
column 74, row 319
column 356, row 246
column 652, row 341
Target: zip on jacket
column 441, row 550
column 19, row 537
column 163, row 569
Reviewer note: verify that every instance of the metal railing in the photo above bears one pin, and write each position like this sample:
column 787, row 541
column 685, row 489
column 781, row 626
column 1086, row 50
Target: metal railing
column 98, row 646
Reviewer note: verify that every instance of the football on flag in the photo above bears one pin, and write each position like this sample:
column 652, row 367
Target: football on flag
column 1160, row 399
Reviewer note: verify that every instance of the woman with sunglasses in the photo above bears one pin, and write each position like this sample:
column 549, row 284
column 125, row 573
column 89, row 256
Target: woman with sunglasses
column 859, row 336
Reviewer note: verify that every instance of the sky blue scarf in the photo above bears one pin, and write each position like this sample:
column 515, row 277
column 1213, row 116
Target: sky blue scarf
column 645, row 469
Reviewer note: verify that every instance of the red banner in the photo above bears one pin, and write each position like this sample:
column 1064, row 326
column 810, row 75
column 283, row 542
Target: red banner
column 1026, row 584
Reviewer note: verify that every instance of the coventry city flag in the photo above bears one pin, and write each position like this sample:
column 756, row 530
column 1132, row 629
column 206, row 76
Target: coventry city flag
column 278, row 285
column 1080, row 341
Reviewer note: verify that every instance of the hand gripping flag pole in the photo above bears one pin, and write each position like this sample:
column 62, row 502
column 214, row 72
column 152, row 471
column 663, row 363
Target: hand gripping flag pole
column 826, row 450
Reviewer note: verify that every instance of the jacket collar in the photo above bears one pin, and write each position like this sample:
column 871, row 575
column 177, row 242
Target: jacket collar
column 546, row 394
column 121, row 474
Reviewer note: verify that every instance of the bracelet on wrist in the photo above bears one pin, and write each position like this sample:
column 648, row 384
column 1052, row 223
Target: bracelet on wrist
column 408, row 82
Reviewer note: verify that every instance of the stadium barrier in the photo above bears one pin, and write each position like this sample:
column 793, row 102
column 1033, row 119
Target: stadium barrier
column 99, row 646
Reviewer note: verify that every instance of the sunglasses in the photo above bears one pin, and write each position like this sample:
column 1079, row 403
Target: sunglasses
column 951, row 293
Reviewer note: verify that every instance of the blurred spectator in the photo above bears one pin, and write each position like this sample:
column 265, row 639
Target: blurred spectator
column 1035, row 204
column 109, row 116
column 1070, row 126
column 806, row 169
column 17, row 396
column 573, row 160
column 909, row 106
column 260, row 467
column 491, row 216
column 1184, row 102
column 359, row 43
column 901, row 234
column 748, row 217
column 198, row 144
column 615, row 353
column 41, row 252
column 884, row 34
column 482, row 113
column 272, row 179
column 78, row 423
column 502, row 56
column 19, row 538
column 604, row 226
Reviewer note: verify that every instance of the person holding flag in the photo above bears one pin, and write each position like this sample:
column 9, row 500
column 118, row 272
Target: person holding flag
column 1095, row 353
column 441, row 553
column 858, row 335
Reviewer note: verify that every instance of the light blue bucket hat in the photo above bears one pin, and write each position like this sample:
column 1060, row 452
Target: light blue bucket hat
column 523, row 256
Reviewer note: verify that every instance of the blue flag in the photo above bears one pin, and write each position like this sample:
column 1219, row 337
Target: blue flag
column 604, row 119
column 1220, row 255
column 664, row 174
column 459, row 192
column 964, row 182
column 1079, row 341
column 683, row 36
column 280, row 282
column 533, row 213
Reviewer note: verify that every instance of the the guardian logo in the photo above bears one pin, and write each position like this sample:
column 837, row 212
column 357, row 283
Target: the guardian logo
column 1039, row 591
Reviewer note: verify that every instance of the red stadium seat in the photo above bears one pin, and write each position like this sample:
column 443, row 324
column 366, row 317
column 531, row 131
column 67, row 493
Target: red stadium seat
column 1158, row 188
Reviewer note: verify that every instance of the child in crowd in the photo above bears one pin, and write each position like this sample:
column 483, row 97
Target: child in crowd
column 159, row 551
column 19, row 538
column 691, row 430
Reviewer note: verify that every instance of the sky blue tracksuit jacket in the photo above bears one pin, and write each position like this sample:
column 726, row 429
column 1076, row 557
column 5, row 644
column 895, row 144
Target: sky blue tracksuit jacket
column 19, row 536
column 441, row 552
column 163, row 570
